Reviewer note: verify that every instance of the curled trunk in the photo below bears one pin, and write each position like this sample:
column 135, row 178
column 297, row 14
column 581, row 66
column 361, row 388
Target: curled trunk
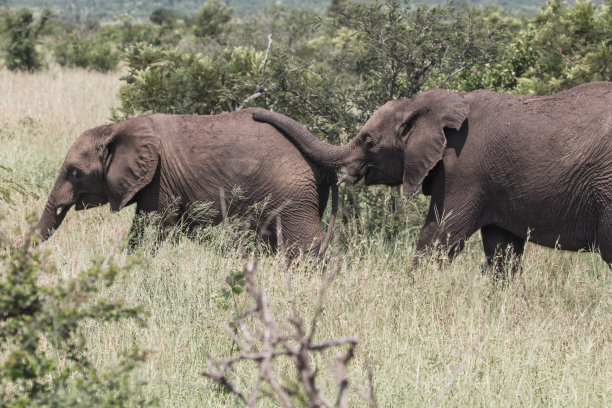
column 322, row 153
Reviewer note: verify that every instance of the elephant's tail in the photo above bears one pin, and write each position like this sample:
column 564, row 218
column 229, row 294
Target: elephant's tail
column 332, row 219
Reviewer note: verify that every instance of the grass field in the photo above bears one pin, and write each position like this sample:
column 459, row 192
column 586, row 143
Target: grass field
column 444, row 334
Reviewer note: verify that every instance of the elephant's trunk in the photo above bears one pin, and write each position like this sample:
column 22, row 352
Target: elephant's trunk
column 51, row 219
column 322, row 153
column 59, row 202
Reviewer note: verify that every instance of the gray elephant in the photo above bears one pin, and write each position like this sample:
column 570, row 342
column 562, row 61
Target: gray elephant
column 160, row 160
column 516, row 167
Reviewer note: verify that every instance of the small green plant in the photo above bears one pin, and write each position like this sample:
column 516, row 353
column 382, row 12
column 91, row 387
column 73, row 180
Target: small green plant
column 221, row 298
column 43, row 352
column 235, row 282
column 10, row 184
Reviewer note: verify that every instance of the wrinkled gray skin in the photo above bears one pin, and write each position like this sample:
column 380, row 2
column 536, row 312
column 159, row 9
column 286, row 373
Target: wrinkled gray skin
column 155, row 160
column 514, row 167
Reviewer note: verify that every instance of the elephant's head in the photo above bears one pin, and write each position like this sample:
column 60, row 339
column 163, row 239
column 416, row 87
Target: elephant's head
column 399, row 144
column 405, row 138
column 107, row 164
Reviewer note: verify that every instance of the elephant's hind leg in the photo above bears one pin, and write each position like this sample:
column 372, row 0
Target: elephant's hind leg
column 604, row 238
column 301, row 232
column 502, row 248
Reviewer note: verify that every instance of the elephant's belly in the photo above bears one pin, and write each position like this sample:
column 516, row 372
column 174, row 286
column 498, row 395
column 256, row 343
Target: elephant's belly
column 556, row 234
column 561, row 241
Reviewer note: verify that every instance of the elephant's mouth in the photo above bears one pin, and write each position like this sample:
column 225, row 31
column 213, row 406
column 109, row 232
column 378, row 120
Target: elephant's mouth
column 375, row 175
column 85, row 201
column 368, row 177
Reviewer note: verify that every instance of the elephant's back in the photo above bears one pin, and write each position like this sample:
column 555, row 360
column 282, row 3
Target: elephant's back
column 228, row 150
column 234, row 140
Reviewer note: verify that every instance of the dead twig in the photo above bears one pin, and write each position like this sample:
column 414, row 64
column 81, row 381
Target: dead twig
column 259, row 89
column 269, row 343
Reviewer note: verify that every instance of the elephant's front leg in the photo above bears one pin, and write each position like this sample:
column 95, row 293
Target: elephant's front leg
column 502, row 248
column 445, row 230
column 160, row 221
column 137, row 230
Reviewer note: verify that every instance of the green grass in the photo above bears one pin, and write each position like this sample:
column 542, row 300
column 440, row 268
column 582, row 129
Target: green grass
column 544, row 339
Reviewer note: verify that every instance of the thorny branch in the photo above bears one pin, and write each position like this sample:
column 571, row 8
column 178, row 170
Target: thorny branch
column 267, row 343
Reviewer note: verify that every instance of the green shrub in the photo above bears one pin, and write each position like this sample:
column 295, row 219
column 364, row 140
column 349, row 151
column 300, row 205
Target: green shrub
column 211, row 19
column 92, row 52
column 168, row 81
column 43, row 353
column 163, row 15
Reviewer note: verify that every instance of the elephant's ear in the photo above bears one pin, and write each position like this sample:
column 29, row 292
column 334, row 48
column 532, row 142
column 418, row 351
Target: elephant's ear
column 422, row 131
column 131, row 155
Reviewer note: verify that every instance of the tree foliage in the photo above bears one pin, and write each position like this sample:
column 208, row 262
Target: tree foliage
column 169, row 81
column 87, row 46
column 23, row 34
column 573, row 44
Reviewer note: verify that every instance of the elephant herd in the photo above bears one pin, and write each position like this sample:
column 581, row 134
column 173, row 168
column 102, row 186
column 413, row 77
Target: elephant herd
column 515, row 167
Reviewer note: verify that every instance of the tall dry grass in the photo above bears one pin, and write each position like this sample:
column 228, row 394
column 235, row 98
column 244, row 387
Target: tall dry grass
column 441, row 335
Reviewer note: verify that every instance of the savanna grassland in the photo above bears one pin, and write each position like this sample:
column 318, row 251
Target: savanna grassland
column 444, row 334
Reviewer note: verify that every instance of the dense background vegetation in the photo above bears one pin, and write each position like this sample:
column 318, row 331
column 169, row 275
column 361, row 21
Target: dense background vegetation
column 81, row 10
column 546, row 336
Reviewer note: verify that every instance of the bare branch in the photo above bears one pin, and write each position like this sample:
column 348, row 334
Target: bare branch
column 220, row 378
column 268, row 344
column 455, row 73
column 259, row 90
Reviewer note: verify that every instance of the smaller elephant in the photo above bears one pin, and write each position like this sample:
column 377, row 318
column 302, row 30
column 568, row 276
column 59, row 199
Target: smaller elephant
column 159, row 161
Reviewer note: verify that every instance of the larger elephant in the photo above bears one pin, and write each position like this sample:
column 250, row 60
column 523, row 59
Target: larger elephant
column 515, row 167
column 159, row 161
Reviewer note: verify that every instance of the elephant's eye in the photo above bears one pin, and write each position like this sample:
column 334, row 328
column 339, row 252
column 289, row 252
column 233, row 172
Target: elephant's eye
column 368, row 142
column 73, row 173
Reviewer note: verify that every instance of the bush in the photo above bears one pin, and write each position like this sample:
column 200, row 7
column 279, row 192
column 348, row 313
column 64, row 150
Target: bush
column 211, row 19
column 43, row 353
column 167, row 81
column 163, row 15
column 87, row 52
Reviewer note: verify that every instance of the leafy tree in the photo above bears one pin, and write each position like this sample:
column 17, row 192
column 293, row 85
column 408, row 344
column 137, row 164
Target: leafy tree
column 211, row 19
column 163, row 15
column 86, row 46
column 23, row 35
column 128, row 32
column 169, row 81
column 405, row 51
column 87, row 52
